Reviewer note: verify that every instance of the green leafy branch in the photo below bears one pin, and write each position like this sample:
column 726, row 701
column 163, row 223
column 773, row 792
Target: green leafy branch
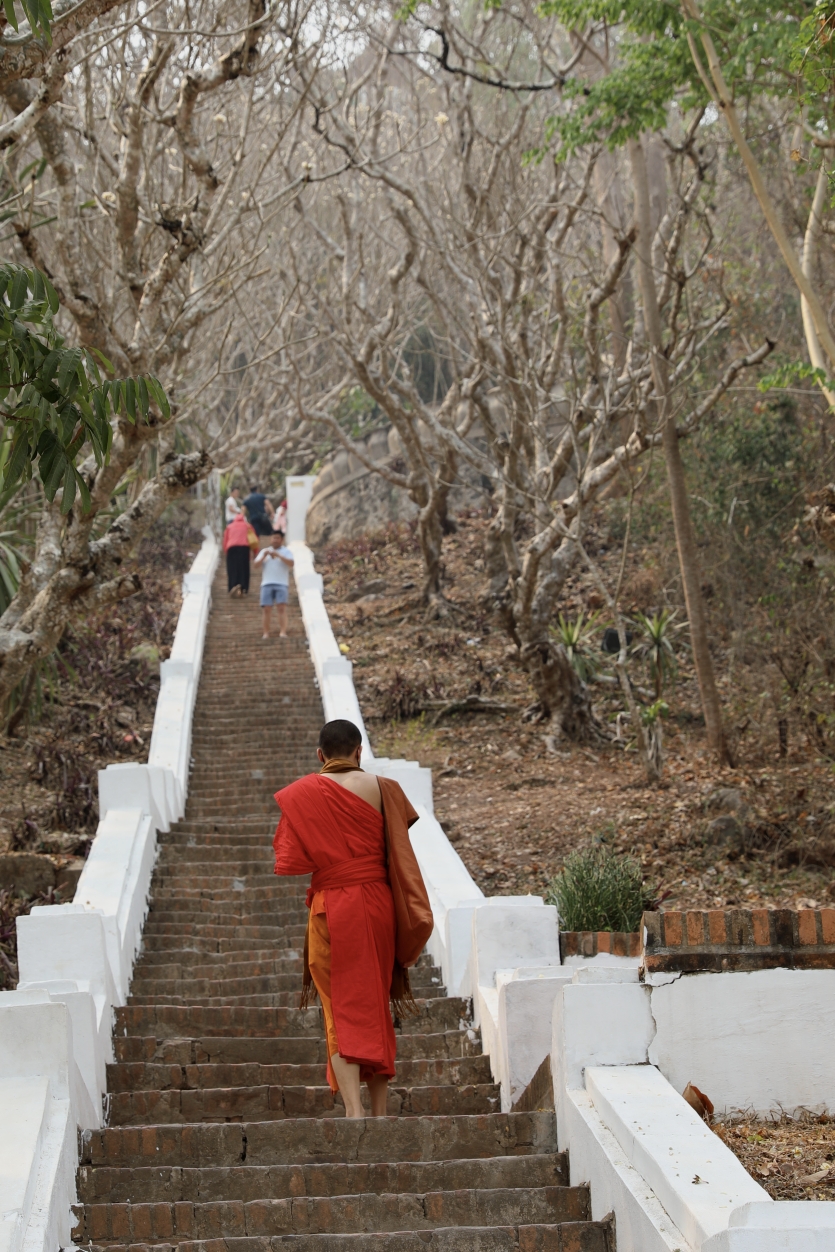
column 38, row 14
column 794, row 371
column 54, row 400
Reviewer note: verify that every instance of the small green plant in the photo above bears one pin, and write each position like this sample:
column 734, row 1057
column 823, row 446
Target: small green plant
column 657, row 648
column 598, row 890
column 576, row 637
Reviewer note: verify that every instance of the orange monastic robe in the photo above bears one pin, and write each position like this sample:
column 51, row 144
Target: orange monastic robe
column 328, row 831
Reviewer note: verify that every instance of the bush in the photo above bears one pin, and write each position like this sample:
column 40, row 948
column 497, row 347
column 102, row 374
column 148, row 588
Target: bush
column 598, row 890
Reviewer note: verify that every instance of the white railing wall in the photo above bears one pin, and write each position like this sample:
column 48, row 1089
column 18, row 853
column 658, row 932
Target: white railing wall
column 75, row 960
column 624, row 1049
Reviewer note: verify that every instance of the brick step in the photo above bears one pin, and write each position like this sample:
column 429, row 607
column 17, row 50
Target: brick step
column 270, row 965
column 230, row 862
column 146, row 1076
column 191, row 887
column 150, row 990
column 284, row 1050
column 223, row 876
column 320, row 1142
column 174, row 1184
column 206, row 910
column 220, row 859
column 253, row 1000
column 186, row 883
column 247, row 963
column 237, row 792
column 349, row 1214
column 217, row 846
column 195, row 1020
column 266, row 812
column 272, row 1103
column 245, row 950
column 219, row 825
column 208, row 932
column 565, row 1237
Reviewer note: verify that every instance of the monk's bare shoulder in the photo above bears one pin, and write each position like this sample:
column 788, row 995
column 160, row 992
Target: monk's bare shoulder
column 363, row 785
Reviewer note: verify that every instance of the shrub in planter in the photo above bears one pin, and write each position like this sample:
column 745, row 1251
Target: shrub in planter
column 598, row 890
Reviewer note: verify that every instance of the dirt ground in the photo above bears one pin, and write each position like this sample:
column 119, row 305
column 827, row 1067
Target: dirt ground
column 793, row 1158
column 512, row 807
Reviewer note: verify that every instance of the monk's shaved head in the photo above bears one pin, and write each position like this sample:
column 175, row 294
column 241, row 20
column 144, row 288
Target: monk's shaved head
column 339, row 738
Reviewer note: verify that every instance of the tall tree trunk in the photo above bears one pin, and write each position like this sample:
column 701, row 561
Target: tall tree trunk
column 810, row 252
column 719, row 90
column 682, row 521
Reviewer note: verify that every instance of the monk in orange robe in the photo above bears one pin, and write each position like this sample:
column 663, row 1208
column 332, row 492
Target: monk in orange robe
column 369, row 913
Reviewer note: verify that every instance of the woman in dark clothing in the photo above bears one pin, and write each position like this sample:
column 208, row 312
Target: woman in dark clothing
column 239, row 539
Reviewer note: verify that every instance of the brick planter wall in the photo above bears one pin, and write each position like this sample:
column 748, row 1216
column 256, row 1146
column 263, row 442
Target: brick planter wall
column 738, row 939
column 591, row 942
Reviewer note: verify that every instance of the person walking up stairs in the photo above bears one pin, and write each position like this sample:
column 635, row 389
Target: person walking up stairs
column 222, row 1132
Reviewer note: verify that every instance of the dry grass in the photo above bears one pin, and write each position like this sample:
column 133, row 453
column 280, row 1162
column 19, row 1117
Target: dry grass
column 792, row 1157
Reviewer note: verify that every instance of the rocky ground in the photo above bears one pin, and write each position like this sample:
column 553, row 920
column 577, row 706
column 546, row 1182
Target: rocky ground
column 793, row 1158
column 759, row 834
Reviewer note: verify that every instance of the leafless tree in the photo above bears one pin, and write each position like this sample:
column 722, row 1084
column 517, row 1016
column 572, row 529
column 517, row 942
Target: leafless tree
column 149, row 152
column 509, row 263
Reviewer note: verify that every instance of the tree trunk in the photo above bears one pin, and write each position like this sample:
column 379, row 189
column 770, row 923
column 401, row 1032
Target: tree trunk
column 430, row 537
column 83, row 578
column 562, row 697
column 682, row 521
column 722, row 95
column 810, row 252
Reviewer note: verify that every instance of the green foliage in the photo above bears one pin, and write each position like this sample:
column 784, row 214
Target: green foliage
column 576, row 637
column 656, row 647
column 38, row 14
column 760, row 44
column 652, row 713
column 355, row 411
column 791, row 372
column 53, row 399
column 752, row 468
column 598, row 890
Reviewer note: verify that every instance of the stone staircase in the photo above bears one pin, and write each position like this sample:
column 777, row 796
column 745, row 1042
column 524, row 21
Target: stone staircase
column 222, row 1132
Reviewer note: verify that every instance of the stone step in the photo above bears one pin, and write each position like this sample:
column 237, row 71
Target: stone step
column 266, row 1103
column 349, row 1214
column 258, row 891
column 182, row 957
column 175, row 909
column 240, row 992
column 284, row 1050
column 321, row 1141
column 244, row 859
column 174, row 1184
column 144, row 1076
column 193, row 1020
column 266, row 1000
column 565, row 1237
column 271, row 965
column 219, row 939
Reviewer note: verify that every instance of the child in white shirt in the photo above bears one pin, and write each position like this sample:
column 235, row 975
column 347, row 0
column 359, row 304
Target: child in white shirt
column 276, row 561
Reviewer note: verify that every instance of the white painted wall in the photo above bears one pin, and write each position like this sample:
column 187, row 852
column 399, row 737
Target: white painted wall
column 760, row 1040
column 75, row 960
column 621, row 1053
